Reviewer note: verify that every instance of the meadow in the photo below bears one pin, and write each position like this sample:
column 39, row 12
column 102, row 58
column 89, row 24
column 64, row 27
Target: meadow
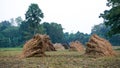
column 9, row 58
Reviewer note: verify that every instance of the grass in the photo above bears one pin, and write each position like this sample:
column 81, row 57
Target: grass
column 116, row 47
column 58, row 59
column 10, row 49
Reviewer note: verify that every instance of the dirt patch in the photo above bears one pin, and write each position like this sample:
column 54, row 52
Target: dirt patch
column 97, row 47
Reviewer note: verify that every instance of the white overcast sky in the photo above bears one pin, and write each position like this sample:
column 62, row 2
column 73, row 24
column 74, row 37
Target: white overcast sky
column 73, row 15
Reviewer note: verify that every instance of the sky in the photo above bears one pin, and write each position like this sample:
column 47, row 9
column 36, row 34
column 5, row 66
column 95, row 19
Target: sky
column 73, row 15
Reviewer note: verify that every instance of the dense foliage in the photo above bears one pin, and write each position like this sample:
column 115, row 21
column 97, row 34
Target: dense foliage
column 9, row 35
column 83, row 38
column 55, row 31
column 112, row 17
column 100, row 30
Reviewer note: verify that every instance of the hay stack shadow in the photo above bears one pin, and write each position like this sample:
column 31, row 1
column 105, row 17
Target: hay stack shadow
column 37, row 46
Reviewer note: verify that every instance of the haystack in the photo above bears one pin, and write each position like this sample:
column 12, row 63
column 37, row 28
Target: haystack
column 36, row 46
column 50, row 47
column 76, row 46
column 59, row 46
column 97, row 47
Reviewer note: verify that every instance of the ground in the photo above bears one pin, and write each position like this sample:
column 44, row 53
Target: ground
column 57, row 59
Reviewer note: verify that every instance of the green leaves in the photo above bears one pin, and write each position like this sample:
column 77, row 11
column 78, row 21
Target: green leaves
column 34, row 13
column 112, row 17
column 55, row 31
column 31, row 25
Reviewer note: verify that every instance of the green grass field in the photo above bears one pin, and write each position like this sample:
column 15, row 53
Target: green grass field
column 58, row 59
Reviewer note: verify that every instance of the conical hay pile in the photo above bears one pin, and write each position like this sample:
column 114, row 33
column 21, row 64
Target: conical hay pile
column 59, row 46
column 97, row 47
column 36, row 46
column 76, row 46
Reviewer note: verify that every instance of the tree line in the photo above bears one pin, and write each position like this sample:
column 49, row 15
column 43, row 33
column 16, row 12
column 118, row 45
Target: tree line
column 16, row 36
column 16, row 32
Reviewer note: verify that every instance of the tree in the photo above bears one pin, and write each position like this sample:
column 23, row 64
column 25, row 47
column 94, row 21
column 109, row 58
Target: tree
column 31, row 25
column 100, row 30
column 112, row 17
column 4, row 41
column 18, row 20
column 4, row 25
column 33, row 17
column 83, row 38
column 79, row 36
column 55, row 31
column 115, row 40
column 34, row 13
column 9, row 35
